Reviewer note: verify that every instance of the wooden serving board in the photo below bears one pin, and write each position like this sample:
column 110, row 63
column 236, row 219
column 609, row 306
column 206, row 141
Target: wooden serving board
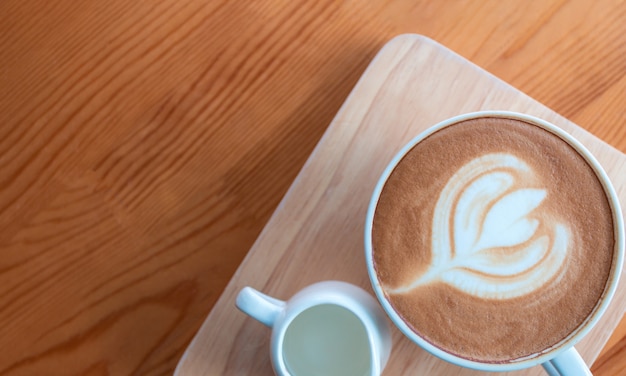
column 316, row 232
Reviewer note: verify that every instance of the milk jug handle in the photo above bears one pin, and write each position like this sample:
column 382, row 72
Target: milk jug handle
column 259, row 306
column 568, row 363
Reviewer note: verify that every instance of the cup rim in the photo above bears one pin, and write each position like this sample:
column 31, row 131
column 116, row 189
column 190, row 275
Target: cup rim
column 581, row 330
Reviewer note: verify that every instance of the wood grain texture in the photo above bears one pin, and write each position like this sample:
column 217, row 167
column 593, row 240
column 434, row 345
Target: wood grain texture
column 145, row 144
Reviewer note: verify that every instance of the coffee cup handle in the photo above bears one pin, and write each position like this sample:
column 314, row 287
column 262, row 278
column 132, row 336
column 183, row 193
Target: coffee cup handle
column 568, row 363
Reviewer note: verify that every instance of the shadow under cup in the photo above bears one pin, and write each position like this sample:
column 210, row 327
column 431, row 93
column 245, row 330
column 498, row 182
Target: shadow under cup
column 468, row 194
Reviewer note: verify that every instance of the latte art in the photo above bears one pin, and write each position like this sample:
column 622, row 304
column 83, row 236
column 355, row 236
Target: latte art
column 493, row 239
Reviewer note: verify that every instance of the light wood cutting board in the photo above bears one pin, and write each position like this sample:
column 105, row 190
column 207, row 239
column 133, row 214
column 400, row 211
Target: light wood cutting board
column 316, row 232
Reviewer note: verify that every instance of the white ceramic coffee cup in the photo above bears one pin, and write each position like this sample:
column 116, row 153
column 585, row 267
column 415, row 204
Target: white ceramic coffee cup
column 561, row 358
column 309, row 313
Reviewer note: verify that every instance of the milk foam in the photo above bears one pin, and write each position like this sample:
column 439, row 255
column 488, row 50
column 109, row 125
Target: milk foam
column 490, row 236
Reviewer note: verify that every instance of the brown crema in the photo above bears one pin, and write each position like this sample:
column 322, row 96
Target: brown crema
column 493, row 330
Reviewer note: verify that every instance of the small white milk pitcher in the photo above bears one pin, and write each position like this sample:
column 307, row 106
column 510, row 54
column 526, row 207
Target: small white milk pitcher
column 328, row 328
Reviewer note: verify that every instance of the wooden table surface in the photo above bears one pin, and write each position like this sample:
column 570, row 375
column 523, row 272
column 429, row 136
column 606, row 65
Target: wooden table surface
column 145, row 144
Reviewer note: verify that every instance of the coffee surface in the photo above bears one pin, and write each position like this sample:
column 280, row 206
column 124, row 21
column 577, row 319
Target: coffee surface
column 493, row 239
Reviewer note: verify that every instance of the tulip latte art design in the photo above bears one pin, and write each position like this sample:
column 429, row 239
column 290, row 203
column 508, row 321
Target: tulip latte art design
column 492, row 239
column 488, row 240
